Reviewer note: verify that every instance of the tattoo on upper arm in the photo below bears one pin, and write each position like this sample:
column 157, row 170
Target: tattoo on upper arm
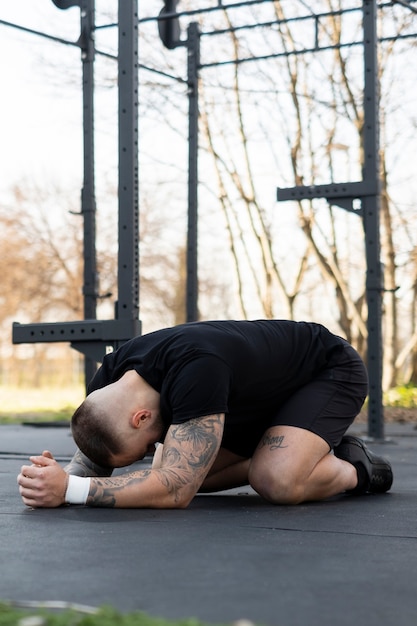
column 190, row 452
column 197, row 439
column 273, row 442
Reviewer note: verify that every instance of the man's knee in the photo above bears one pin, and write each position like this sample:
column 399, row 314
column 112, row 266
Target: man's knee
column 278, row 489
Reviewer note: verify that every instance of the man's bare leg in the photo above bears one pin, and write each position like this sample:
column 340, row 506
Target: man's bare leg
column 229, row 470
column 293, row 465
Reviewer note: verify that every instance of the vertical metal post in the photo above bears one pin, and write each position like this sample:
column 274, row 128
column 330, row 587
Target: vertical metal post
column 128, row 255
column 88, row 200
column 371, row 215
column 193, row 51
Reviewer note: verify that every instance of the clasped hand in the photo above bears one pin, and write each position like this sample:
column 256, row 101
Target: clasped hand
column 44, row 483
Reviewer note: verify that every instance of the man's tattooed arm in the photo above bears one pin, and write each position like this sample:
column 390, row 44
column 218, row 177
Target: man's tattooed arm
column 189, row 452
column 80, row 465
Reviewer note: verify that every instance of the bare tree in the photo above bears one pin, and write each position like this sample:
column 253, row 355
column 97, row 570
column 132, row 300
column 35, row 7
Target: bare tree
column 325, row 100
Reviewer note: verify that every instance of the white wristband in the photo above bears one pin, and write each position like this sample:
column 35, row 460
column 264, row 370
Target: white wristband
column 77, row 490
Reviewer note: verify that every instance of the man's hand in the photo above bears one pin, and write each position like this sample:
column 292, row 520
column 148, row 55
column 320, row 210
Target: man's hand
column 44, row 483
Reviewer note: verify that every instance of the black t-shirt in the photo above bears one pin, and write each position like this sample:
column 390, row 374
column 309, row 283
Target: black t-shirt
column 245, row 369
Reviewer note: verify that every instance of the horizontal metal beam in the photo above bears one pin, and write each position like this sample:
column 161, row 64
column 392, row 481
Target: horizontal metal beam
column 330, row 191
column 105, row 331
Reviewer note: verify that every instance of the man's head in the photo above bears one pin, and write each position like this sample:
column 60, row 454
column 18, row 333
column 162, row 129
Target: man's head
column 93, row 433
column 116, row 425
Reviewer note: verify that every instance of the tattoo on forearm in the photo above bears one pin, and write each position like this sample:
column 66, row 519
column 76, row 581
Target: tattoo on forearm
column 273, row 442
column 103, row 491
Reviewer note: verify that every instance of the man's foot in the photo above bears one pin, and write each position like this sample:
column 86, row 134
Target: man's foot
column 374, row 472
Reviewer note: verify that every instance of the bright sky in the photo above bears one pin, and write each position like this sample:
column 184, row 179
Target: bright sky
column 41, row 99
column 31, row 128
column 41, row 104
column 40, row 121
column 41, row 110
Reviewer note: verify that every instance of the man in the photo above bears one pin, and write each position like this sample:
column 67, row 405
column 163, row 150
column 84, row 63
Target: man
column 264, row 403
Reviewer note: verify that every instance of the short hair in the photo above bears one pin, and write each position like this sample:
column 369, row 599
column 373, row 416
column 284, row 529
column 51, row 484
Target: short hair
column 93, row 434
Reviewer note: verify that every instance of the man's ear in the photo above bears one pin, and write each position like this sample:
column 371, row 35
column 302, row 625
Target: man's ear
column 139, row 418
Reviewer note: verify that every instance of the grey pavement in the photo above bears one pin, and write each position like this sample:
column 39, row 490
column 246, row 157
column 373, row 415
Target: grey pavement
column 350, row 560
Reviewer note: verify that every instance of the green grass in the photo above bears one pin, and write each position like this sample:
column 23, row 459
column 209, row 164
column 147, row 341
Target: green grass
column 57, row 404
column 44, row 404
column 104, row 616
column 404, row 396
column 61, row 415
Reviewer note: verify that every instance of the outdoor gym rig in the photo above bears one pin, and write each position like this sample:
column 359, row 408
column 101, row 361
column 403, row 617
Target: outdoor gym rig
column 93, row 337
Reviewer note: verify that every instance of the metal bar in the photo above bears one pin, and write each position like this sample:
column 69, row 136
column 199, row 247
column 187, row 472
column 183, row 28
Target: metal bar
column 222, row 7
column 405, row 4
column 128, row 255
column 368, row 190
column 332, row 190
column 88, row 200
column 278, row 55
column 225, row 7
column 371, row 206
column 300, row 18
column 105, row 331
column 193, row 48
column 31, row 31
column 311, row 50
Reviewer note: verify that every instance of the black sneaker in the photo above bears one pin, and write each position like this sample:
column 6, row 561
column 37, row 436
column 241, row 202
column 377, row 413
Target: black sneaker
column 376, row 471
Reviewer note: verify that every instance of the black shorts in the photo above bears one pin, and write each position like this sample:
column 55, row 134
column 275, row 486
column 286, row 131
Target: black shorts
column 326, row 406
